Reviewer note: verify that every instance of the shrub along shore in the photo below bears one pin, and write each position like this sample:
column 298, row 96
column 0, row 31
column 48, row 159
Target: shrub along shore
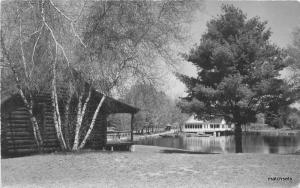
column 274, row 132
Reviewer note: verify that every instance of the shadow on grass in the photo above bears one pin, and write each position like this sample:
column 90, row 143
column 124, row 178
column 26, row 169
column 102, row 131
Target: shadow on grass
column 80, row 152
column 88, row 151
column 185, row 151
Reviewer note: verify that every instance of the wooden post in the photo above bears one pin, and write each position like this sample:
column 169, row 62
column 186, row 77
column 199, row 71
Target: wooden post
column 131, row 127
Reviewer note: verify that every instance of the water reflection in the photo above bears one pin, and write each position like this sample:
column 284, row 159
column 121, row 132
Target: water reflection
column 226, row 144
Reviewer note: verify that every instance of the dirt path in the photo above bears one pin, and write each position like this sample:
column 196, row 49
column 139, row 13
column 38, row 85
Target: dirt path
column 148, row 166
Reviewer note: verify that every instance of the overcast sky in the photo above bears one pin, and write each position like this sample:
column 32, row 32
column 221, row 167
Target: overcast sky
column 282, row 17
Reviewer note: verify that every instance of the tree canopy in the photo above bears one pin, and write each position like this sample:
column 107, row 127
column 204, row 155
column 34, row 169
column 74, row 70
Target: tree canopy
column 294, row 57
column 79, row 46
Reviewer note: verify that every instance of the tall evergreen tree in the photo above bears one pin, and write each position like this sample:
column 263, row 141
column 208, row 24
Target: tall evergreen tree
column 238, row 71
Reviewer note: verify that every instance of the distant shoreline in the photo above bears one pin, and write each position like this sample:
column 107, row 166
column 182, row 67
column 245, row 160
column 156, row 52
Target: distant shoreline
column 263, row 132
column 273, row 132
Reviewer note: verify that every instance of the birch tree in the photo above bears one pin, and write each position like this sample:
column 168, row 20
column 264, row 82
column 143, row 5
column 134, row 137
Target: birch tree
column 86, row 45
column 18, row 70
column 123, row 40
column 32, row 49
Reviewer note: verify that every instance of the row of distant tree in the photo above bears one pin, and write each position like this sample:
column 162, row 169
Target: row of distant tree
column 287, row 117
column 156, row 109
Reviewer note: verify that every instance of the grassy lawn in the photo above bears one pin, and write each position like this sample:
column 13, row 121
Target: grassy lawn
column 148, row 166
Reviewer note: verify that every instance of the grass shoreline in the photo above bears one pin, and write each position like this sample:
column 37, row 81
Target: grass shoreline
column 150, row 166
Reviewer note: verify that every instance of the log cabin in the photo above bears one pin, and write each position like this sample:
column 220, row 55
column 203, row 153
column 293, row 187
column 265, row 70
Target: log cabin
column 17, row 137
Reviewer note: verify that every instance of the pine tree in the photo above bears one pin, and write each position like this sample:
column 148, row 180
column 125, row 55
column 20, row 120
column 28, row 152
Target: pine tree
column 238, row 71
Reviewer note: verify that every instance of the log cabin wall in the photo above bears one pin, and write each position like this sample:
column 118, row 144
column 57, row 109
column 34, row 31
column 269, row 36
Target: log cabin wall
column 17, row 131
column 17, row 137
column 97, row 139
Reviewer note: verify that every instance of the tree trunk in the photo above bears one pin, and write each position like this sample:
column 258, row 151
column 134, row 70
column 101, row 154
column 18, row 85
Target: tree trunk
column 238, row 138
column 57, row 121
column 92, row 123
column 36, row 131
column 67, row 123
column 77, row 129
column 56, row 113
column 80, row 114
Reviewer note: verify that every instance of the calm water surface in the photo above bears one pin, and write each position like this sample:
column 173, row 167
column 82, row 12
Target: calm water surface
column 226, row 144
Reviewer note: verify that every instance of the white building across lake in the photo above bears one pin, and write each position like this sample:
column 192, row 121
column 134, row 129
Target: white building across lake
column 218, row 125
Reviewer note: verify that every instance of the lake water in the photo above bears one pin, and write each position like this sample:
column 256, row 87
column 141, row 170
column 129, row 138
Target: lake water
column 226, row 144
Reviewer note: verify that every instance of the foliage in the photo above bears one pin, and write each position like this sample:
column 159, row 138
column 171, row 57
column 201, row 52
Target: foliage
column 294, row 58
column 238, row 70
column 294, row 48
column 286, row 117
column 122, row 40
column 157, row 109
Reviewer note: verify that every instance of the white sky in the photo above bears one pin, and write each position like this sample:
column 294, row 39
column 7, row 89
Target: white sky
column 282, row 17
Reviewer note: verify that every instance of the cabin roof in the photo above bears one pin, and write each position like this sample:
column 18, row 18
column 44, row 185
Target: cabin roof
column 110, row 105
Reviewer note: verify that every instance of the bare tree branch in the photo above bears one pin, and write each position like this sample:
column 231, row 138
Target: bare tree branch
column 72, row 21
column 57, row 43
column 34, row 46
column 21, row 46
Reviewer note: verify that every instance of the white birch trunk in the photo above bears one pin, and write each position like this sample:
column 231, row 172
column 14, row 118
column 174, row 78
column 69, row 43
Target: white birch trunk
column 36, row 131
column 55, row 116
column 92, row 123
column 80, row 115
column 56, row 113
column 77, row 129
column 57, row 121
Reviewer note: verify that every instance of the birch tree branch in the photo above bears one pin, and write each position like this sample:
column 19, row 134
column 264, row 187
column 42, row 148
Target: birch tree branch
column 36, row 42
column 57, row 43
column 72, row 21
column 22, row 50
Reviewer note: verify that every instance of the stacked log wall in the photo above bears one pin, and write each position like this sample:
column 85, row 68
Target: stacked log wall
column 17, row 137
column 97, row 139
column 17, row 130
